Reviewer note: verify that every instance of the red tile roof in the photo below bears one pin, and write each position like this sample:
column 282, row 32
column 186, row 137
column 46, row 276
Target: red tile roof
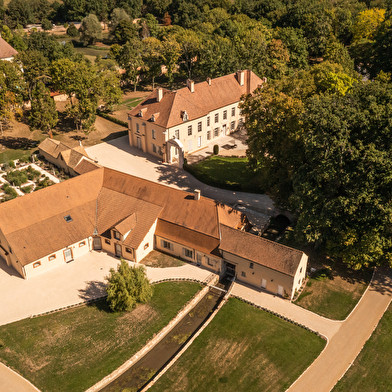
column 223, row 91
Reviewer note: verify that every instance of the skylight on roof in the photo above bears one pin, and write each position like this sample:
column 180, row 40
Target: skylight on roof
column 68, row 218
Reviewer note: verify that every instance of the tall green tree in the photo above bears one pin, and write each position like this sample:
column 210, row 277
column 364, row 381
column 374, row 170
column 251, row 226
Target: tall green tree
column 171, row 52
column 90, row 29
column 127, row 286
column 343, row 190
column 43, row 114
column 152, row 48
column 190, row 44
column 20, row 12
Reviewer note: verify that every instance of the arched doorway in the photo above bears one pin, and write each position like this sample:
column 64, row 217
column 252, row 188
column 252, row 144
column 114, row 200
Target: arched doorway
column 174, row 152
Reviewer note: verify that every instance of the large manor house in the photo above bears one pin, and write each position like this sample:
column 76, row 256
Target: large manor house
column 105, row 210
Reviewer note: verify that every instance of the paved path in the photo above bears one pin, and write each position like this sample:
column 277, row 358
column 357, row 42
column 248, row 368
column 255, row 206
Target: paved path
column 119, row 155
column 12, row 382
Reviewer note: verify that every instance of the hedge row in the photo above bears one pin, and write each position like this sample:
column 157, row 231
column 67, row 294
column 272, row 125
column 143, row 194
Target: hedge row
column 112, row 119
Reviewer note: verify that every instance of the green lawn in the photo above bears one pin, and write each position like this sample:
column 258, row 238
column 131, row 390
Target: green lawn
column 72, row 350
column 243, row 349
column 226, row 172
column 332, row 294
column 372, row 370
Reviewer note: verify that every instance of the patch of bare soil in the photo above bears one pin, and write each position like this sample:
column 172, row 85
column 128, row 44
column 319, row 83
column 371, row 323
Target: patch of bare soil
column 161, row 260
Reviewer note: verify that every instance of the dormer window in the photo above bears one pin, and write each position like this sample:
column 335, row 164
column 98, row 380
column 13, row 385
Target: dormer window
column 140, row 114
column 152, row 118
column 185, row 116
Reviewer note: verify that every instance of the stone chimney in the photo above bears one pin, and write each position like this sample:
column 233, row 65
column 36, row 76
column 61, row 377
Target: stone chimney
column 159, row 94
column 191, row 85
column 196, row 194
column 241, row 77
column 209, row 81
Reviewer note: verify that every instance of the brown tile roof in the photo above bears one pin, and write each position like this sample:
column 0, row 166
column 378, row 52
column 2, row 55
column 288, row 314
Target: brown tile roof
column 223, row 91
column 187, row 237
column 115, row 207
column 53, row 147
column 259, row 250
column 179, row 207
column 126, row 224
column 233, row 218
column 6, row 50
column 85, row 166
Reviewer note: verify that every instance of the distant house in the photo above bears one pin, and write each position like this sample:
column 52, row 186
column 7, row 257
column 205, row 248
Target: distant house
column 172, row 124
column 7, row 52
column 73, row 160
column 106, row 210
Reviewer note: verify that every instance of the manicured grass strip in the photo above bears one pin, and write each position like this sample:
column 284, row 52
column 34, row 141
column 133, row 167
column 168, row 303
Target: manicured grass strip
column 132, row 100
column 243, row 349
column 225, row 172
column 332, row 296
column 72, row 350
column 111, row 118
column 372, row 370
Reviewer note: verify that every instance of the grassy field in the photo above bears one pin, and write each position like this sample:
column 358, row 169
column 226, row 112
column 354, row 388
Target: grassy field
column 72, row 350
column 243, row 349
column 372, row 370
column 161, row 260
column 226, row 172
column 334, row 293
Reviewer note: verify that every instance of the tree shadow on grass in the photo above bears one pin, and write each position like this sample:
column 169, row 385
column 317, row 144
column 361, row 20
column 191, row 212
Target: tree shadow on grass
column 18, row 143
column 95, row 289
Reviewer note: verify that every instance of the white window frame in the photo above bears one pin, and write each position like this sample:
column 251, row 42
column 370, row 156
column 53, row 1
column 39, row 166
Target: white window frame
column 233, row 111
column 216, row 132
column 166, row 245
column 189, row 130
column 232, row 125
column 153, row 134
column 225, row 114
column 177, row 133
column 199, row 126
column 208, row 135
column 188, row 253
column 216, row 118
column 208, row 121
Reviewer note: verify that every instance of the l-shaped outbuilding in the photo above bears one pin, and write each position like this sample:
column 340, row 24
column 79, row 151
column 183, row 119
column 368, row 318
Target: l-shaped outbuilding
column 106, row 210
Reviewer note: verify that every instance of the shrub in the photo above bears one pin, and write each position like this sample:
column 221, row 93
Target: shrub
column 46, row 25
column 26, row 189
column 66, row 25
column 72, row 31
column 11, row 164
column 216, row 149
column 16, row 177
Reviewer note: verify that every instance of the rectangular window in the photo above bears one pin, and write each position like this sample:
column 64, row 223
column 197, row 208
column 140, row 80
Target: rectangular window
column 107, row 242
column 137, row 127
column 188, row 253
column 51, row 257
column 251, row 265
column 37, row 264
column 159, row 150
column 177, row 133
column 232, row 125
column 243, row 274
column 208, row 121
column 83, row 243
column 208, row 135
column 233, row 112
column 225, row 114
column 153, row 134
column 166, row 244
column 145, row 246
column 154, row 148
column 216, row 132
column 128, row 250
column 116, row 235
column 209, row 261
column 217, row 117
column 240, row 122
column 189, row 130
column 199, row 127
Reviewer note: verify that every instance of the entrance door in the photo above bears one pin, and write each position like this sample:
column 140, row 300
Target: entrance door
column 230, row 269
column 97, row 243
column 199, row 141
column 263, row 283
column 68, row 255
column 139, row 142
column 118, row 250
column 280, row 291
column 198, row 259
column 224, row 130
